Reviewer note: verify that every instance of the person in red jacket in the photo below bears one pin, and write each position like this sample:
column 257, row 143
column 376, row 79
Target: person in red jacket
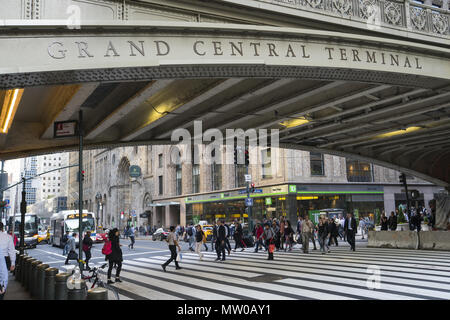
column 259, row 235
column 14, row 237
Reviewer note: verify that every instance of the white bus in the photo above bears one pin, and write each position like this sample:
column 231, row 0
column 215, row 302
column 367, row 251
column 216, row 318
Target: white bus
column 67, row 220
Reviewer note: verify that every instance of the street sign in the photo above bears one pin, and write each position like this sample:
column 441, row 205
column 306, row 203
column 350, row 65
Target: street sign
column 135, row 171
column 248, row 177
column 268, row 201
column 257, row 191
column 292, row 188
column 65, row 129
column 249, row 202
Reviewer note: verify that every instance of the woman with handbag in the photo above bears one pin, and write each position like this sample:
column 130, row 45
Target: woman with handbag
column 268, row 238
column 71, row 244
column 115, row 257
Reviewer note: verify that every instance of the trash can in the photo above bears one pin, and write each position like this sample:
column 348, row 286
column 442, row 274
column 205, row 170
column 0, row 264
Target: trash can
column 61, row 286
column 49, row 284
column 77, row 290
column 41, row 280
column 33, row 279
column 97, row 294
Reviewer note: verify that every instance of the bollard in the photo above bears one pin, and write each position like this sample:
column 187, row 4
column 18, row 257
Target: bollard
column 22, row 267
column 49, row 284
column 61, row 286
column 28, row 274
column 77, row 290
column 97, row 294
column 18, row 266
column 33, row 279
column 41, row 281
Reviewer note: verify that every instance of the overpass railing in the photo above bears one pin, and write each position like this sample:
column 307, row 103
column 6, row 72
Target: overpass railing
column 431, row 18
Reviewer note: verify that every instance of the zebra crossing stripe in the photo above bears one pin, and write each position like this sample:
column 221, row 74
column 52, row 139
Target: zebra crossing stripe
column 388, row 283
column 282, row 292
column 321, row 263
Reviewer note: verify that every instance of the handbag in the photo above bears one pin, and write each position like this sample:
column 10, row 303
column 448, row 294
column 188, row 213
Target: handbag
column 271, row 248
column 179, row 257
column 72, row 255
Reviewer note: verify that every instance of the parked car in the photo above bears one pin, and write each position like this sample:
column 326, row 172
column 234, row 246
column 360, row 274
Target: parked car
column 160, row 234
column 101, row 237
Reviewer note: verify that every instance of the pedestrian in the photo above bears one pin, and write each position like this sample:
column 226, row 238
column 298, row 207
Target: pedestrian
column 362, row 226
column 221, row 237
column 350, row 230
column 268, row 236
column 288, row 235
column 191, row 237
column 87, row 246
column 341, row 228
column 276, row 235
column 214, row 237
column 115, row 255
column 131, row 234
column 392, row 221
column 384, row 223
column 199, row 236
column 299, row 229
column 173, row 245
column 3, row 278
column 259, row 236
column 281, row 232
column 238, row 234
column 227, row 237
column 323, row 231
column 7, row 249
column 307, row 229
column 15, row 240
column 333, row 230
column 72, row 254
column 65, row 243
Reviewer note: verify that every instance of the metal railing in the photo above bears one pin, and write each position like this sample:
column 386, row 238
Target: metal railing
column 404, row 15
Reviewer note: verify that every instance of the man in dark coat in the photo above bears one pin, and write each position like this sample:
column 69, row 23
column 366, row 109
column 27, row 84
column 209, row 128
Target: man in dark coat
column 392, row 222
column 350, row 230
column 221, row 237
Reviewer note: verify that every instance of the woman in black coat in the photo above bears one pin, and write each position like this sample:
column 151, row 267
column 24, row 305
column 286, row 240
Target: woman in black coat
column 384, row 223
column 115, row 257
column 333, row 229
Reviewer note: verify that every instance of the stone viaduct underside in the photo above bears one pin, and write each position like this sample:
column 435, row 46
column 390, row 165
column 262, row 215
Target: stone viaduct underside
column 141, row 69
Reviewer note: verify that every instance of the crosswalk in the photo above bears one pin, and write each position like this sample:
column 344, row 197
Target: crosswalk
column 339, row 275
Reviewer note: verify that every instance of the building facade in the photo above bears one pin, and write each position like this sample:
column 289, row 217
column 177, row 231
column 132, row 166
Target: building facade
column 292, row 183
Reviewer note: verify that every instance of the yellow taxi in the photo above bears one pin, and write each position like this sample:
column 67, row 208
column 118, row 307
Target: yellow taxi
column 208, row 230
column 43, row 236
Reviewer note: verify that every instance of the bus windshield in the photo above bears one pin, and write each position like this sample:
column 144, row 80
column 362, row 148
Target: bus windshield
column 87, row 223
column 31, row 225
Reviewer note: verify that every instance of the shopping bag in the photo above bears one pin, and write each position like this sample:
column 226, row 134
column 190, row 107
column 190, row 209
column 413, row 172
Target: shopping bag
column 179, row 257
column 73, row 255
column 271, row 248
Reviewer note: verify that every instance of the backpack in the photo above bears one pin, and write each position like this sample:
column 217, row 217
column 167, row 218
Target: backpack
column 107, row 248
column 189, row 231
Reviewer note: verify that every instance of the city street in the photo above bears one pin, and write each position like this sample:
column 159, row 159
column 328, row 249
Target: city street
column 341, row 274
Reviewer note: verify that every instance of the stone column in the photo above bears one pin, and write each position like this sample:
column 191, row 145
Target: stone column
column 389, row 201
column 167, row 216
column 182, row 212
column 291, row 214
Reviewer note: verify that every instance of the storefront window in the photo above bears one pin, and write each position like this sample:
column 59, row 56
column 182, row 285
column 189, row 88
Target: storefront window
column 216, row 176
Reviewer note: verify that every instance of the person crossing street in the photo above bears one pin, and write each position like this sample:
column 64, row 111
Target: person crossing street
column 131, row 234
column 350, row 230
column 173, row 245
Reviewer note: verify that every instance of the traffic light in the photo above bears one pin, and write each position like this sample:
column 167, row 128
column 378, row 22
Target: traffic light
column 247, row 159
column 415, row 194
column 235, row 157
column 82, row 176
column 402, row 178
column 252, row 189
column 121, row 215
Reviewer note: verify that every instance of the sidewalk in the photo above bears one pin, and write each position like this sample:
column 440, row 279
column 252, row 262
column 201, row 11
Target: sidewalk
column 15, row 290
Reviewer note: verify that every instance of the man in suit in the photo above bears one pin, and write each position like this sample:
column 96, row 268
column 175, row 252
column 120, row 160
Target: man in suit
column 221, row 237
column 350, row 230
